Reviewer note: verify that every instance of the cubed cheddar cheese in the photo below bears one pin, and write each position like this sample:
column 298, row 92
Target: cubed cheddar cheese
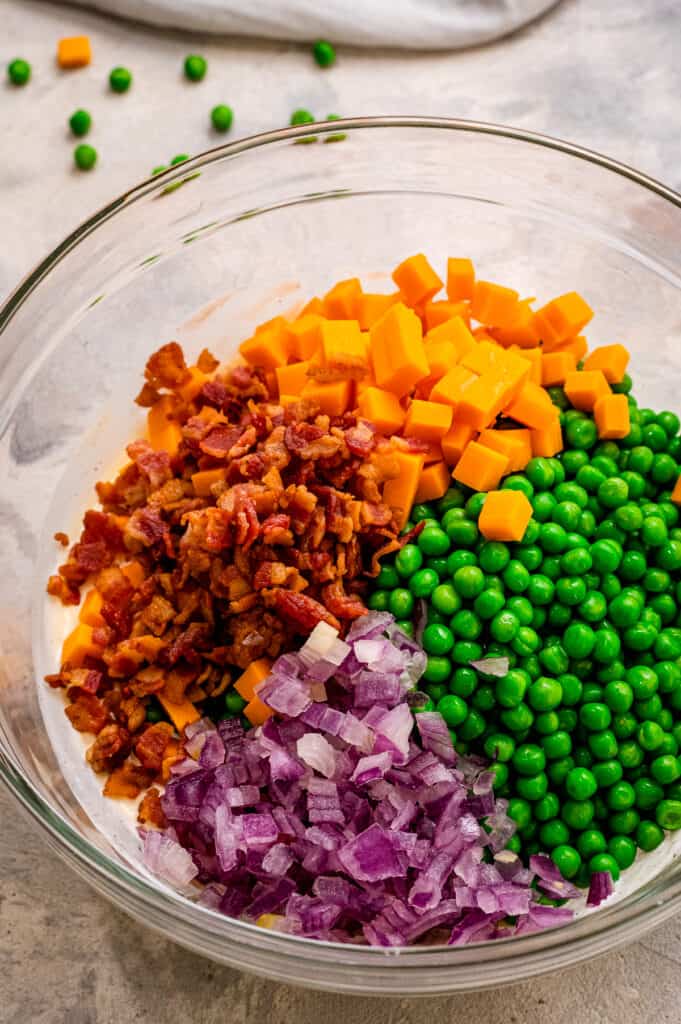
column 521, row 332
column 333, row 399
column 135, row 572
column 269, row 346
column 532, row 407
column 676, row 492
column 341, row 302
column 562, row 319
column 416, row 280
column 165, row 433
column 256, row 673
column 291, row 379
column 91, row 609
column 371, row 306
column 400, row 492
column 451, row 388
column 441, row 356
column 480, row 468
column 205, row 478
column 429, row 421
column 611, row 414
column 436, row 313
column 343, row 349
column 303, row 336
column 577, row 346
column 197, row 378
column 383, row 409
column 454, row 443
column 534, row 357
column 74, row 52
column 456, row 332
column 611, row 360
column 434, row 482
column 485, row 356
column 494, row 305
column 513, row 443
column 460, row 279
column 398, row 356
column 257, row 712
column 315, row 307
column 585, row 387
column 182, row 714
column 481, row 403
column 505, row 515
column 547, row 441
column 79, row 645
column 555, row 367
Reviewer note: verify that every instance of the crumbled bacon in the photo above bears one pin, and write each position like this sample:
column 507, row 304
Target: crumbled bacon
column 62, row 538
column 150, row 811
column 285, row 537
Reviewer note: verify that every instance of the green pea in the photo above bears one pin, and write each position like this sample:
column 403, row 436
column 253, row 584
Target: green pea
column 517, row 719
column 591, row 842
column 557, row 745
column 437, row 638
column 603, row 745
column 120, row 79
column 466, row 625
column 619, row 696
column 595, row 716
column 521, row 608
column 466, row 651
column 559, row 617
column 516, row 577
column 532, row 787
column 623, row 850
column 453, row 709
column 579, row 640
column 469, row 581
column 85, row 157
column 529, row 759
column 607, row 646
column 572, row 688
column 628, row 517
column 408, row 560
column 573, row 459
column 526, row 642
column 654, row 436
column 607, row 773
column 461, row 532
column 665, row 769
column 432, row 541
column 553, row 833
column 581, row 433
column 504, row 626
column 401, row 603
column 473, row 726
column 578, row 814
column 438, row 669
column 649, row 836
column 530, row 556
column 590, row 478
column 221, row 117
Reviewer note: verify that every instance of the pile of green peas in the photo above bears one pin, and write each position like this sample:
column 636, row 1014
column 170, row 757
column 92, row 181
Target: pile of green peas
column 584, row 730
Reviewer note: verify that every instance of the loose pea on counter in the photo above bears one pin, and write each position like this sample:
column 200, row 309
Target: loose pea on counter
column 583, row 730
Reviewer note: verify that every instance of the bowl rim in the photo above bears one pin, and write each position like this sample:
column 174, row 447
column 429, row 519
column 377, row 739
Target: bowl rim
column 592, row 934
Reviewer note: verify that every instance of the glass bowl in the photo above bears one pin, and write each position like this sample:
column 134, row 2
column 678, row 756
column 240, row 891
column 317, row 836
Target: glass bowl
column 203, row 253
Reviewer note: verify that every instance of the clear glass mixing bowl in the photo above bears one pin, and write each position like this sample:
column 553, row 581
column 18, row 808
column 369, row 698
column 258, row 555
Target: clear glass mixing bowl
column 203, row 253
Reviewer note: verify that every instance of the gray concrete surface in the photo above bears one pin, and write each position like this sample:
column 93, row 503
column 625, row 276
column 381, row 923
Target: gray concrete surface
column 603, row 73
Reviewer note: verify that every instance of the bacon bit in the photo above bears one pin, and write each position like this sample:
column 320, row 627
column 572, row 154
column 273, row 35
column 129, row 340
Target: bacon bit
column 147, row 397
column 220, row 440
column 87, row 713
column 345, row 606
column 146, row 527
column 147, row 681
column 85, row 680
column 303, row 611
column 360, row 439
column 154, row 465
column 62, row 538
column 207, row 361
column 127, row 781
column 150, row 811
column 375, row 515
column 167, row 368
column 151, row 745
column 276, row 530
column 58, row 587
column 111, row 745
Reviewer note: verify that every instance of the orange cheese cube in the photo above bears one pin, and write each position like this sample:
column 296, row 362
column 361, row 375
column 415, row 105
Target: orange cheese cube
column 397, row 351
column 532, row 407
column 135, row 572
column 441, row 356
column 196, row 381
column 181, row 715
column 74, row 52
column 577, row 346
column 434, row 482
column 340, row 303
column 165, row 433
column 505, row 515
column 480, row 468
column 428, row 421
column 315, row 307
column 548, row 441
column 485, row 356
column 585, row 387
column 676, row 493
column 344, row 351
column 256, row 673
column 454, row 331
column 534, row 357
column 521, row 332
column 454, row 443
column 416, row 280
column 291, row 379
column 268, row 347
column 333, row 399
column 436, row 313
column 91, row 610
column 611, row 414
column 562, row 319
column 612, row 360
column 371, row 306
column 482, row 402
column 399, row 493
column 494, row 305
column 211, row 415
column 257, row 712
column 303, row 336
column 79, row 645
column 451, row 388
column 555, row 367
column 460, row 279
column 383, row 409
column 513, row 443
column 205, row 478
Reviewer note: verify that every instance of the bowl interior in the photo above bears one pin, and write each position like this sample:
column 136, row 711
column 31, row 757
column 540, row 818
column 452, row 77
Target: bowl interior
column 205, row 253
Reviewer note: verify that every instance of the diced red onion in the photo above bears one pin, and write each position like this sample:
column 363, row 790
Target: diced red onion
column 600, row 887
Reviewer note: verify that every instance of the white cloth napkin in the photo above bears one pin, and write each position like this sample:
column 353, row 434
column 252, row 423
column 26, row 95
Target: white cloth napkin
column 409, row 24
